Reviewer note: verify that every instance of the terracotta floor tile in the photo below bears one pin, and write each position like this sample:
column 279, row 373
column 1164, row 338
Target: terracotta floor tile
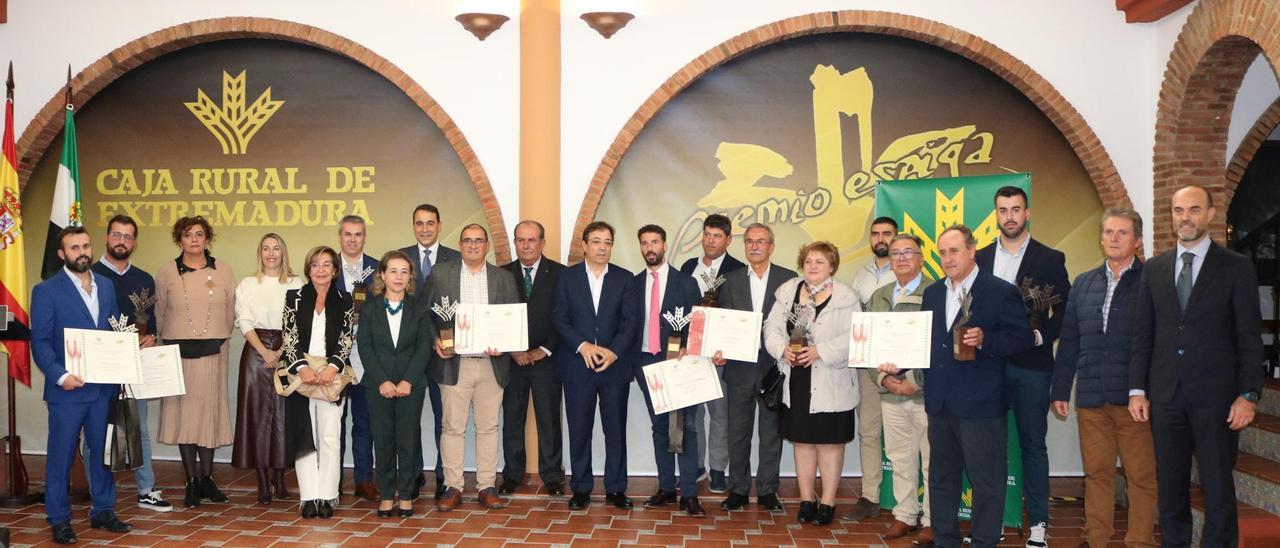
column 551, row 538
column 435, row 538
column 250, row 541
column 212, row 535
column 670, row 529
column 614, row 534
column 592, row 543
column 389, row 531
column 325, row 537
column 509, row 533
column 138, row 540
column 665, row 540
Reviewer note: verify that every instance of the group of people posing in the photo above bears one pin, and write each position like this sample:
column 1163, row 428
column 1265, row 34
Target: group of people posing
column 1167, row 354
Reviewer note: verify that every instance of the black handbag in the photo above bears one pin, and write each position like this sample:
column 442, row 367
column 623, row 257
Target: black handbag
column 124, row 435
column 771, row 389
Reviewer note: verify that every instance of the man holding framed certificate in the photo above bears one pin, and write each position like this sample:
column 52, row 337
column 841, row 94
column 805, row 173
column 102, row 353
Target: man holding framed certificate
column 80, row 299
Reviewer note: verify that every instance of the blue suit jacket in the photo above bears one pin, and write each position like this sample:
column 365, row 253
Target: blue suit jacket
column 56, row 304
column 1045, row 266
column 576, row 319
column 369, row 262
column 975, row 389
column 680, row 291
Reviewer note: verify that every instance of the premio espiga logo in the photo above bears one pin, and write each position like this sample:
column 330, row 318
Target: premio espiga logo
column 231, row 123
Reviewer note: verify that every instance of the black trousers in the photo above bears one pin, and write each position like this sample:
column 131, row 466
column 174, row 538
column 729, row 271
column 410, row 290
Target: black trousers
column 394, row 423
column 540, row 380
column 976, row 446
column 742, row 405
column 1182, row 429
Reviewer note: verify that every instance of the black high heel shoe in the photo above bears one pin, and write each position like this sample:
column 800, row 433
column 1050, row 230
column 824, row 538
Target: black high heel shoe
column 808, row 509
column 385, row 513
column 406, row 512
column 310, row 509
column 192, row 497
column 209, row 491
column 825, row 515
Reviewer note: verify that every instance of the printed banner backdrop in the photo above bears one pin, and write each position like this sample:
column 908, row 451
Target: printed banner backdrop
column 798, row 135
column 925, row 209
column 259, row 136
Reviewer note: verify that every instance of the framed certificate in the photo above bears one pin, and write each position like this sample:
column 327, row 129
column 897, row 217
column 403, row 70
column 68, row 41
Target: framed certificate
column 502, row 327
column 677, row 384
column 161, row 374
column 102, row 357
column 900, row 338
column 733, row 333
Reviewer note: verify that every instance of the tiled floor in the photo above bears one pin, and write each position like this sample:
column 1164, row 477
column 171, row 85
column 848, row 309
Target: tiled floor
column 531, row 519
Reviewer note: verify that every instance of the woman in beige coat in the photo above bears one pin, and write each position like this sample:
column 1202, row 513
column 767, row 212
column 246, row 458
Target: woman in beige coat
column 820, row 391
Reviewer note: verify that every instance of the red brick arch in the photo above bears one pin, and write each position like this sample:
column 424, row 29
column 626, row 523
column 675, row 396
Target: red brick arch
column 1039, row 91
column 39, row 134
column 1219, row 41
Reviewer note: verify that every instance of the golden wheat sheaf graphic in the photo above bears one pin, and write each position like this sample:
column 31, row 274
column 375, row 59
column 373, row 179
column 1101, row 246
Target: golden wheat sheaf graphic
column 232, row 124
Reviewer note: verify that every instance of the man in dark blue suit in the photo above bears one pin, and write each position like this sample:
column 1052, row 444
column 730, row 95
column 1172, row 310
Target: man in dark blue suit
column 590, row 314
column 425, row 254
column 79, row 298
column 656, row 291
column 967, row 419
column 717, row 234
column 355, row 276
column 1019, row 259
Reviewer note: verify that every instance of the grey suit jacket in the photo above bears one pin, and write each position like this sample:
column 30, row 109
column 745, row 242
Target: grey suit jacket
column 445, row 280
column 735, row 294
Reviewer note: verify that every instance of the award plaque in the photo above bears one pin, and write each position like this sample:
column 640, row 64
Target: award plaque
column 444, row 310
column 960, row 351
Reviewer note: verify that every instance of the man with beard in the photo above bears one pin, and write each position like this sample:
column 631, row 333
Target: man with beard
column 867, row 278
column 1019, row 259
column 1196, row 369
column 74, row 297
column 355, row 276
column 122, row 239
column 656, row 291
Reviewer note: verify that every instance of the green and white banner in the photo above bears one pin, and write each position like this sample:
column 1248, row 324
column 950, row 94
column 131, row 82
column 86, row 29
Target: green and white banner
column 925, row 208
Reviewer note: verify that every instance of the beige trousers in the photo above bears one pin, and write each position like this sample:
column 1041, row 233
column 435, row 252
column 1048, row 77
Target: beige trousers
column 477, row 388
column 906, row 443
column 869, row 426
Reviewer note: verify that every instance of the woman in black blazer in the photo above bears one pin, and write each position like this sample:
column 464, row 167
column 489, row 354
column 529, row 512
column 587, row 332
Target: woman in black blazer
column 317, row 322
column 394, row 340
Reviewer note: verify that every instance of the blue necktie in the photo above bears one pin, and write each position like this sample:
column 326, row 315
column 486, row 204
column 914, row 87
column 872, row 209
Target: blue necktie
column 426, row 267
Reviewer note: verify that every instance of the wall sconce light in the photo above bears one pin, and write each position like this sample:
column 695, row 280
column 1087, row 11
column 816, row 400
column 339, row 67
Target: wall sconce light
column 607, row 22
column 482, row 24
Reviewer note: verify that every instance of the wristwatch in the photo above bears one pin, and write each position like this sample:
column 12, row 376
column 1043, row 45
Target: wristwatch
column 1250, row 396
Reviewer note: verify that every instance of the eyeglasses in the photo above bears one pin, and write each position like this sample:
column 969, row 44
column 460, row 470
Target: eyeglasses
column 754, row 243
column 474, row 241
column 904, row 253
column 120, row 236
column 324, row 264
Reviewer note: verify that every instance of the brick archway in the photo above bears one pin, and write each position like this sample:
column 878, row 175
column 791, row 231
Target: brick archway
column 42, row 129
column 1219, row 41
column 1039, row 91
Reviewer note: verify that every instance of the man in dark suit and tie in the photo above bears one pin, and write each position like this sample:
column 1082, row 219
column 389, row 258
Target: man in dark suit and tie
column 75, row 297
column 1196, row 369
column 967, row 416
column 1019, row 259
column 659, row 290
column 355, row 276
column 426, row 253
column 589, row 314
column 751, row 289
column 717, row 234
column 536, row 278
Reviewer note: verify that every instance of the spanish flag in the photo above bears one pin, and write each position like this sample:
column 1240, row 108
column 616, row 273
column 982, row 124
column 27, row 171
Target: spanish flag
column 66, row 192
column 14, row 325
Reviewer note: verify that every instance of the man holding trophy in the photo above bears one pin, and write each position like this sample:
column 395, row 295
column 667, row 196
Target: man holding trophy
column 355, row 275
column 665, row 294
column 978, row 323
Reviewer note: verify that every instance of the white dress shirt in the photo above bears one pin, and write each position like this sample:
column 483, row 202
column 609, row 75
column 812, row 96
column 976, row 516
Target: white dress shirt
column 759, row 285
column 90, row 299
column 955, row 293
column 393, row 321
column 1005, row 264
column 597, row 285
column 711, row 271
column 663, row 271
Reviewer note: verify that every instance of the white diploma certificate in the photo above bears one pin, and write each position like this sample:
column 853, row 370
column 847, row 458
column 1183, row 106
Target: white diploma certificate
column 900, row 338
column 161, row 374
column 734, row 333
column 103, row 357
column 677, row 384
column 502, row 327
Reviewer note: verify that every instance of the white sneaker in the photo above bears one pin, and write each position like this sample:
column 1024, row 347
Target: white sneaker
column 1036, row 540
column 152, row 501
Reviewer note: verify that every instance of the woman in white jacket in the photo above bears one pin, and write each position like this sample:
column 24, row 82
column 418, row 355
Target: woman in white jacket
column 820, row 391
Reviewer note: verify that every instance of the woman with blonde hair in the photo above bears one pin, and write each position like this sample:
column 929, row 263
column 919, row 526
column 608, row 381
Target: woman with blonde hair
column 259, row 435
column 820, row 391
column 394, row 340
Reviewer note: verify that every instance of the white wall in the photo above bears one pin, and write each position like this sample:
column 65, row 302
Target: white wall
column 1258, row 90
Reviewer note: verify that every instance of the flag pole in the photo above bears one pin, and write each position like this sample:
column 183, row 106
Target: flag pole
column 16, row 492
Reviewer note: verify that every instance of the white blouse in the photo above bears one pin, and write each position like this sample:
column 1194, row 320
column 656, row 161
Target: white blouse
column 316, row 346
column 393, row 321
column 260, row 305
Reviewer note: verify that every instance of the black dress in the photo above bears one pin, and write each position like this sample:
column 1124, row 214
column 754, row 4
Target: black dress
column 795, row 423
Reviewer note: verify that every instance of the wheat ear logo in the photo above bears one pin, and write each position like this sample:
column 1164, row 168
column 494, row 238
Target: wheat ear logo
column 232, row 124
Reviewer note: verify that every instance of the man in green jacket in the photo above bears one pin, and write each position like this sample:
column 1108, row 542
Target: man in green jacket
column 906, row 427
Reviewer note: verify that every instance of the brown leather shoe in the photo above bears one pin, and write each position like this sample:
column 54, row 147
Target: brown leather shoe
column 692, row 507
column 899, row 530
column 367, row 491
column 449, row 500
column 490, row 500
column 924, row 539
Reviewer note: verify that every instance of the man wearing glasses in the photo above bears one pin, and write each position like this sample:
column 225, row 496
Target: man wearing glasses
column 473, row 380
